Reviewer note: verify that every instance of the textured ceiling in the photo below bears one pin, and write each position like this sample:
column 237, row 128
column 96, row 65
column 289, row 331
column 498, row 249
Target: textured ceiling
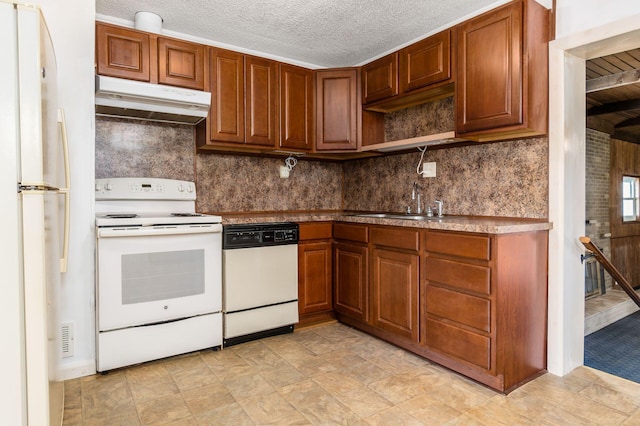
column 315, row 33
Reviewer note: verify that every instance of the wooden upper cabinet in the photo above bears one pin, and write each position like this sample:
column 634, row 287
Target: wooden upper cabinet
column 337, row 110
column 244, row 96
column 426, row 62
column 502, row 72
column 123, row 52
column 227, row 96
column 380, row 79
column 261, row 101
column 138, row 55
column 296, row 108
column 180, row 63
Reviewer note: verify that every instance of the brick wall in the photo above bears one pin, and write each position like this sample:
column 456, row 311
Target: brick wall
column 597, row 192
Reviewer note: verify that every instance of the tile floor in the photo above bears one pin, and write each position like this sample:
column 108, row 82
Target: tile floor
column 332, row 374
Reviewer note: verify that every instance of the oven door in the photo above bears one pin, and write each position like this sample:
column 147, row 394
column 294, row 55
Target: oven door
column 148, row 275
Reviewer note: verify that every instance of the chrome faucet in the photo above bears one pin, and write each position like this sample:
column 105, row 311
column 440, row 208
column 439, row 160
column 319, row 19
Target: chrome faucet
column 440, row 206
column 415, row 196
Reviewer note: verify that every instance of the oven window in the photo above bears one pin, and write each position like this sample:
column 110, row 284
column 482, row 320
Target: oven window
column 147, row 277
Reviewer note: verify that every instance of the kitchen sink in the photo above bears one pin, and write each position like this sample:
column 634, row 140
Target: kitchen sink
column 406, row 216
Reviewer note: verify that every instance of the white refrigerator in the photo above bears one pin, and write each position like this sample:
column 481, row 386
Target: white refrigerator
column 34, row 189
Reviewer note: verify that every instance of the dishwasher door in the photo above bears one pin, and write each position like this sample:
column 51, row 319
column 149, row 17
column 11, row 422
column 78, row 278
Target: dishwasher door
column 260, row 288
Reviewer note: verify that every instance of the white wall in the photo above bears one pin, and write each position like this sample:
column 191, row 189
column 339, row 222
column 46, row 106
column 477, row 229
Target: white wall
column 71, row 24
column 585, row 29
column 574, row 16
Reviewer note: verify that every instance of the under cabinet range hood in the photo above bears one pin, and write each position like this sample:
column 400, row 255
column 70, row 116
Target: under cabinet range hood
column 145, row 101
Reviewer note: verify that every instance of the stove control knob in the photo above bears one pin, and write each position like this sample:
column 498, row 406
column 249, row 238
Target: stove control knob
column 98, row 187
column 189, row 188
column 108, row 187
column 180, row 187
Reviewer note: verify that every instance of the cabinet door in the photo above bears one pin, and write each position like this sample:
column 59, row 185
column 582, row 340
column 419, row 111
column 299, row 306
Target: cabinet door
column 425, row 62
column 261, row 125
column 380, row 79
column 351, row 266
column 296, row 108
column 337, row 109
column 489, row 91
column 395, row 292
column 314, row 277
column 227, row 96
column 180, row 63
column 123, row 53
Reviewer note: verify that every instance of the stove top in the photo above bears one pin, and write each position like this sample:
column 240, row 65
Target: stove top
column 147, row 202
column 150, row 219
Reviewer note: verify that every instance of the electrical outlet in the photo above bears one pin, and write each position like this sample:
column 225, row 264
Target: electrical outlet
column 429, row 169
column 284, row 172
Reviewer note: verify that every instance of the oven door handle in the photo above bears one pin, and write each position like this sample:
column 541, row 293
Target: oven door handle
column 141, row 231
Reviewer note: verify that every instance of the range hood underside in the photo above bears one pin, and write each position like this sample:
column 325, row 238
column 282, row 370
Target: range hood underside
column 154, row 102
column 110, row 111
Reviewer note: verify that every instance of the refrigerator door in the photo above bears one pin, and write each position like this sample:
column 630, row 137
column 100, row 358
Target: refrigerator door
column 41, row 278
column 38, row 166
column 40, row 156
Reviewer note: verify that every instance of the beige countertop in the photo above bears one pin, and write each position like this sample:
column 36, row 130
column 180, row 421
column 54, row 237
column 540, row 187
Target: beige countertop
column 479, row 224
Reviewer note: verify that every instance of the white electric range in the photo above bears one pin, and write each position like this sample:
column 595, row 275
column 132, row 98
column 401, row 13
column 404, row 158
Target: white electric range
column 158, row 274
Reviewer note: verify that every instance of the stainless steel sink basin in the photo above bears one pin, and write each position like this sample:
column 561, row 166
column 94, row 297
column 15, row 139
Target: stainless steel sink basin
column 396, row 216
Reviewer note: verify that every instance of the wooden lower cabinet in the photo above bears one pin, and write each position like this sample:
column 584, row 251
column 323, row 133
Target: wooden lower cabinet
column 315, row 273
column 474, row 303
column 350, row 271
column 395, row 292
column 351, row 280
column 486, row 305
column 395, row 281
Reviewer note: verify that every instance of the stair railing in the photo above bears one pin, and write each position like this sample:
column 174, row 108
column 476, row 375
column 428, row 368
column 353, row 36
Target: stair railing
column 617, row 276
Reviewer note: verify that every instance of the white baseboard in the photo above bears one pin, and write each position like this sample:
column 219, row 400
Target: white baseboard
column 80, row 369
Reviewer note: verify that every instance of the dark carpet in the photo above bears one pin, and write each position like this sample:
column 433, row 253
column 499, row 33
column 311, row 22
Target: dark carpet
column 615, row 349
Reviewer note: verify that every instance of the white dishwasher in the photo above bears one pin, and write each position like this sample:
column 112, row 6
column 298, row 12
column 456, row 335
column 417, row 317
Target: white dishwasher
column 259, row 280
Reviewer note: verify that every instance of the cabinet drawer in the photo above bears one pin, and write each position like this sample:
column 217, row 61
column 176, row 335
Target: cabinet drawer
column 346, row 231
column 396, row 237
column 315, row 231
column 462, row 308
column 459, row 275
column 462, row 344
column 471, row 246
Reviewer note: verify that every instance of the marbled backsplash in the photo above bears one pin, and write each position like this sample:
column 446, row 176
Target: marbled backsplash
column 136, row 148
column 224, row 183
column 498, row 179
column 233, row 183
column 420, row 120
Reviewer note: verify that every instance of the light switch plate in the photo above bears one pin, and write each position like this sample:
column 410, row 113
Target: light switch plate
column 284, row 172
column 429, row 169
